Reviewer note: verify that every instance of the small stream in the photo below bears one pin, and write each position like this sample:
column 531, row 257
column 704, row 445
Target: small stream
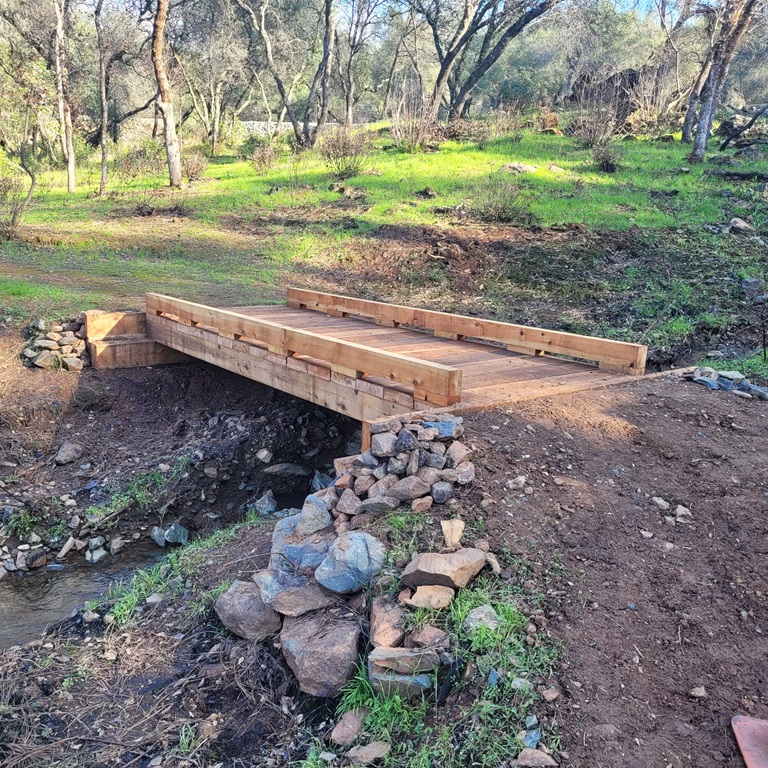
column 29, row 603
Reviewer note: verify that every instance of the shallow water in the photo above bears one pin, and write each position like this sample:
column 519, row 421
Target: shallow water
column 29, row 603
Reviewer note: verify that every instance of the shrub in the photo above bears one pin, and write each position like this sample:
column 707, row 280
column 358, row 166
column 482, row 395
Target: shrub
column 194, row 165
column 13, row 195
column 148, row 159
column 480, row 132
column 263, row 159
column 498, row 199
column 607, row 157
column 344, row 151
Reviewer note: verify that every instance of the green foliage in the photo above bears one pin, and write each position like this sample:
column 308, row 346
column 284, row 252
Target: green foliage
column 21, row 523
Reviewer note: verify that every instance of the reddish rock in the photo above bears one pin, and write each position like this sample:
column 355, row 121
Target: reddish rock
column 386, row 618
column 348, row 727
column 349, row 503
column 448, row 570
column 422, row 504
column 243, row 612
column 370, row 753
column 452, row 531
column 321, row 652
column 431, row 596
column 408, row 488
column 428, row 637
column 405, row 661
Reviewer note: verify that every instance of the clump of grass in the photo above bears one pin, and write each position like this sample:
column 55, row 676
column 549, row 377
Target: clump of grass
column 499, row 200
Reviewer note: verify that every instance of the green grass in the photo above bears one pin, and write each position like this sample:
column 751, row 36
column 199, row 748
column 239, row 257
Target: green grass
column 485, row 731
column 168, row 577
column 647, row 269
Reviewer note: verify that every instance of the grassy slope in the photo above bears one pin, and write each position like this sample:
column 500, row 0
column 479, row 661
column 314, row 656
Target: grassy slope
column 236, row 237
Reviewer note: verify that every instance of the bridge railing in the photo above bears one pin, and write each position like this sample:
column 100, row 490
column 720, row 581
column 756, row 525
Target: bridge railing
column 433, row 382
column 618, row 356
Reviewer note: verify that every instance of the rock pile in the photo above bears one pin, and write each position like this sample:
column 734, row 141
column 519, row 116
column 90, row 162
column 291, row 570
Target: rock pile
column 320, row 561
column 61, row 344
column 733, row 382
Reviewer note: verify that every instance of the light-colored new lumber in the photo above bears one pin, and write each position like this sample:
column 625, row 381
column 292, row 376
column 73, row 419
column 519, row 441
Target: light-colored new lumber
column 329, row 394
column 130, row 352
column 611, row 355
column 440, row 383
column 103, row 325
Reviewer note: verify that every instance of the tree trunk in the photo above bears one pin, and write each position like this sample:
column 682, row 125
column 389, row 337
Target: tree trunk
column 62, row 93
column 165, row 100
column 103, row 98
column 325, row 66
column 738, row 18
column 692, row 111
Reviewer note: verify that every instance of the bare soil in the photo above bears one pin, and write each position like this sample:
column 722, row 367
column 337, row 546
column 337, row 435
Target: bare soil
column 642, row 620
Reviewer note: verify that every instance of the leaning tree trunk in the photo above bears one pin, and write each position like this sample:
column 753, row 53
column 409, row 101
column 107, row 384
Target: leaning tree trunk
column 165, row 99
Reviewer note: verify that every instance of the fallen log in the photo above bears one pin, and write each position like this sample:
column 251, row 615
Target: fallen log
column 739, row 175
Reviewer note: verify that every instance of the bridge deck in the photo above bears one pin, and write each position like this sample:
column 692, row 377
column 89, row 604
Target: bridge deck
column 366, row 359
column 491, row 375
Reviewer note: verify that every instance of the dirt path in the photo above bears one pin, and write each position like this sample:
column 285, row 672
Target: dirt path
column 644, row 619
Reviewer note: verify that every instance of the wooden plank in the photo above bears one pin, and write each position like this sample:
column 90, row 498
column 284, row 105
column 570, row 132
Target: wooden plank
column 337, row 397
column 438, row 381
column 131, row 353
column 630, row 358
column 103, row 325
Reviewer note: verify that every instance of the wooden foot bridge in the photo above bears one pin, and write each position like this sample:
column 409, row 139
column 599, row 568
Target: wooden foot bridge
column 366, row 359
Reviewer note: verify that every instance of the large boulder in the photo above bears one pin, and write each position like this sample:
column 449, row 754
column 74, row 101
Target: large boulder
column 351, row 563
column 243, row 612
column 454, row 569
column 290, row 594
column 321, row 651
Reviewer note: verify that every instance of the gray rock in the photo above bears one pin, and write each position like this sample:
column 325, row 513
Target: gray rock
column 398, row 464
column 69, row 452
column 434, row 460
column 408, row 488
column 393, row 425
column 158, row 535
column 176, row 534
column 442, row 492
column 386, row 682
column 265, row 506
column 243, row 612
column 94, row 556
column 351, row 563
column 304, row 556
column 47, row 344
column 482, row 616
column 366, row 460
column 518, row 168
column 378, row 506
column 290, row 594
column 288, row 470
column 321, row 652
column 384, row 444
column 314, row 516
column 45, row 359
column 72, row 364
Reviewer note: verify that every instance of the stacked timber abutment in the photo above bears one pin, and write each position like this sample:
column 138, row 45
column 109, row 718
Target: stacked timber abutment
column 328, row 579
